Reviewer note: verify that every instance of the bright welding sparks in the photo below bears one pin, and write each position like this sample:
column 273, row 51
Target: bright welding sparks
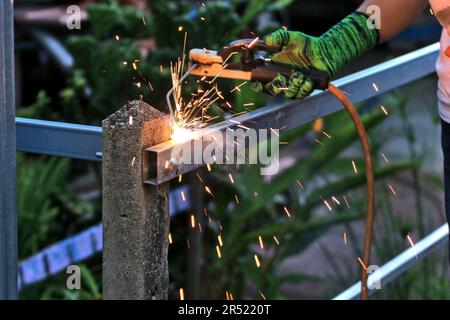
column 345, row 237
column 231, row 177
column 193, row 114
column 318, row 141
column 384, row 157
column 253, row 42
column 262, row 296
column 180, row 135
column 375, row 87
column 170, row 238
column 327, row 205
column 412, row 244
column 238, row 88
column 392, row 190
column 219, row 238
column 208, row 190
column 219, row 253
column 257, row 262
column 275, row 132
column 183, row 196
column 346, row 201
column 326, row 134
column 362, row 263
column 336, row 200
column 261, row 243
column 276, row 240
column 383, row 108
column 354, row 167
column 287, row 212
column 181, row 294
column 229, row 295
column 192, row 221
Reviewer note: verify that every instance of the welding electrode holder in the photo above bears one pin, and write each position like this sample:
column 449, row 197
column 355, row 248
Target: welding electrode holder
column 264, row 70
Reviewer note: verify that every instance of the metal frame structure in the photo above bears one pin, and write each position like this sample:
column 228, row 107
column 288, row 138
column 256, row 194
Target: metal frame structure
column 85, row 142
column 8, row 217
column 59, row 139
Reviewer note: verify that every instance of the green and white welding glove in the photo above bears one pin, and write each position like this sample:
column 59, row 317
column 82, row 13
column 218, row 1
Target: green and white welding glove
column 330, row 52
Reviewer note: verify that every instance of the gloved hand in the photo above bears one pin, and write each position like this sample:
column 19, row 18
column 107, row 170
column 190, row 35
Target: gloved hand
column 329, row 52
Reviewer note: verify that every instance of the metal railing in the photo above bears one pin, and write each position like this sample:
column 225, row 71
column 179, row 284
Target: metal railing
column 401, row 263
column 85, row 142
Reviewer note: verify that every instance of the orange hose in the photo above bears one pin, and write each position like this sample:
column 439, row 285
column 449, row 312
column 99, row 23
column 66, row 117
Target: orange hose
column 370, row 184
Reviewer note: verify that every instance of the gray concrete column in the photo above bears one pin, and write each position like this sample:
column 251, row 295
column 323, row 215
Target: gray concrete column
column 135, row 215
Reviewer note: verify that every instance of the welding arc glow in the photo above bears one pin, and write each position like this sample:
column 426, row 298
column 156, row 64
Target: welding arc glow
column 180, row 135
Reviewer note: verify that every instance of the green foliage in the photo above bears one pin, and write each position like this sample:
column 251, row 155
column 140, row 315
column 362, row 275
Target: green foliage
column 256, row 7
column 38, row 182
column 104, row 78
column 110, row 19
column 47, row 210
column 37, row 109
column 260, row 211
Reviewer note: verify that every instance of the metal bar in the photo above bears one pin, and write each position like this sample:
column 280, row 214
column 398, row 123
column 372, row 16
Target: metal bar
column 8, row 216
column 401, row 263
column 359, row 86
column 59, row 139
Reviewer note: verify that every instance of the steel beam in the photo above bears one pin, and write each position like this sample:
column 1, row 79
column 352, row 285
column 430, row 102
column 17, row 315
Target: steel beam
column 359, row 86
column 59, row 139
column 401, row 263
column 8, row 216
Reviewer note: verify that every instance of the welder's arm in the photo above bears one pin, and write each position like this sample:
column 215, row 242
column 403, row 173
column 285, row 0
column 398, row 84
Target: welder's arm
column 395, row 15
column 342, row 43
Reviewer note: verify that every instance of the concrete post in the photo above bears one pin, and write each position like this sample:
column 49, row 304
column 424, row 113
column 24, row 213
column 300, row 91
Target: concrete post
column 135, row 215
